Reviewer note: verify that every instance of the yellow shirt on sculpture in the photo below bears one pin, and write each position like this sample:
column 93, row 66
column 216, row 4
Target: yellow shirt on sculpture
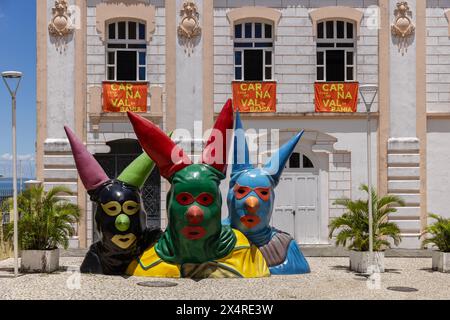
column 244, row 261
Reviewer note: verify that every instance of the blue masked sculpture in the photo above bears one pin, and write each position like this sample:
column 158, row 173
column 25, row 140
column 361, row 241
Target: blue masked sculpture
column 250, row 203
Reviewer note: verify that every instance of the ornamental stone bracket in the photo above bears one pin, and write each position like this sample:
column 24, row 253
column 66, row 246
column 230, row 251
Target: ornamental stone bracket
column 61, row 26
column 189, row 29
column 402, row 29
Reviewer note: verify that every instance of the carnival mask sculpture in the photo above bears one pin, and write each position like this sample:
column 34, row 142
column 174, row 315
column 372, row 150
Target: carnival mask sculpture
column 250, row 203
column 195, row 244
column 120, row 218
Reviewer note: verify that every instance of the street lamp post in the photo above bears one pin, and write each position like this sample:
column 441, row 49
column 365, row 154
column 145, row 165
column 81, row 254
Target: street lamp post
column 368, row 93
column 8, row 76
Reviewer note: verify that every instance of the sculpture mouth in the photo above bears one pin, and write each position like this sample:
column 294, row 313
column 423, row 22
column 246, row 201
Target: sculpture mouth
column 250, row 220
column 123, row 241
column 193, row 233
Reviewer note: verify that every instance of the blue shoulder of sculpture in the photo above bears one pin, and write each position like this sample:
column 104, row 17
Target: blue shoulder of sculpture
column 295, row 262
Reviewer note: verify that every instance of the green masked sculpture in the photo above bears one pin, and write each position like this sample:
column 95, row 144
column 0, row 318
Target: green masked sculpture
column 195, row 244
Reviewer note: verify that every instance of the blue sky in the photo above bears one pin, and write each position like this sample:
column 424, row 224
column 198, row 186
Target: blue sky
column 18, row 52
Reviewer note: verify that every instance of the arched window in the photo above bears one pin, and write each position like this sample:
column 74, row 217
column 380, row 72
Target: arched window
column 299, row 161
column 253, row 51
column 126, row 51
column 336, row 53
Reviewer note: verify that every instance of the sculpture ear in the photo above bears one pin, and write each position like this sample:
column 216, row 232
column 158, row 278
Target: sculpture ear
column 91, row 173
column 138, row 171
column 277, row 162
column 216, row 149
column 241, row 156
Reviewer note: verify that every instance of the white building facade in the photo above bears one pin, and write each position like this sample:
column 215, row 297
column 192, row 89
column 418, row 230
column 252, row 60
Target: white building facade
column 189, row 55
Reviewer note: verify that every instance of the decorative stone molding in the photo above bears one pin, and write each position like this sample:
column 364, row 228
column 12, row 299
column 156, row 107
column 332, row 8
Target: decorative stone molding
column 249, row 13
column 336, row 12
column 402, row 27
column 61, row 25
column 189, row 28
column 125, row 10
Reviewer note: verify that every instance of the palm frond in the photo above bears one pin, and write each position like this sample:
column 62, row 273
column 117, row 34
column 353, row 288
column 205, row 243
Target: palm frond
column 440, row 233
column 46, row 220
column 353, row 225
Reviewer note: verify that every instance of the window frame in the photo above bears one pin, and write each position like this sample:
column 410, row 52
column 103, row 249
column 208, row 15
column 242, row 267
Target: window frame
column 254, row 41
column 302, row 167
column 126, row 42
column 335, row 41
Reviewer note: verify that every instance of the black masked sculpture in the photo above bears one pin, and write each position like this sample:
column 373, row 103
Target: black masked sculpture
column 120, row 217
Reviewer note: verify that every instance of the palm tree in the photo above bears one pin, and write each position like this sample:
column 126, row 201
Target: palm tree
column 354, row 223
column 440, row 231
column 5, row 247
column 45, row 219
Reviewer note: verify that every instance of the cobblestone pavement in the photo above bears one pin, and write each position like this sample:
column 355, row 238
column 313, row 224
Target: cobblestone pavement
column 329, row 279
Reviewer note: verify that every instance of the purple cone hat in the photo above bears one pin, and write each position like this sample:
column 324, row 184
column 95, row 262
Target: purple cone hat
column 91, row 173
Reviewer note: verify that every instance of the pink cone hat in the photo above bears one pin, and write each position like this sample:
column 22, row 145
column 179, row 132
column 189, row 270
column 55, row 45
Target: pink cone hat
column 91, row 173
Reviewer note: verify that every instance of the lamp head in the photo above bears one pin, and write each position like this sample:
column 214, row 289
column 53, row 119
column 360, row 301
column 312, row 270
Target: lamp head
column 12, row 74
column 14, row 78
column 368, row 93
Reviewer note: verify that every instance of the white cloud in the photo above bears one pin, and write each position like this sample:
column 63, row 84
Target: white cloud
column 6, row 156
column 20, row 157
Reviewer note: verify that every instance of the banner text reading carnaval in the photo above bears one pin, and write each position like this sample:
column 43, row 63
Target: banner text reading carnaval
column 255, row 96
column 124, row 97
column 336, row 96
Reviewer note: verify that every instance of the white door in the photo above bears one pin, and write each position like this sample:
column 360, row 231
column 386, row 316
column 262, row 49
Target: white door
column 296, row 202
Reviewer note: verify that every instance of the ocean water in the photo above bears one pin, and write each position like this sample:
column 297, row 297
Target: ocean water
column 7, row 183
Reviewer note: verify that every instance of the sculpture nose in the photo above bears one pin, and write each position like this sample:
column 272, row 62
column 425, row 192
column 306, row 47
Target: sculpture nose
column 252, row 204
column 194, row 215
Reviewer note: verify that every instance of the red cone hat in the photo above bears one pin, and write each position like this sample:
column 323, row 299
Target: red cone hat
column 169, row 157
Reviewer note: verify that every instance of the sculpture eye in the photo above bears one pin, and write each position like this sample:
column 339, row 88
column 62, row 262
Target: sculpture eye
column 205, row 199
column 185, row 198
column 263, row 193
column 112, row 208
column 241, row 191
column 130, row 207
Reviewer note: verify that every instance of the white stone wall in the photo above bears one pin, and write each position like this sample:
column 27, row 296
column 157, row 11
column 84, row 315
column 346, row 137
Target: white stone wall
column 438, row 56
column 340, row 183
column 438, row 173
column 96, row 74
column 189, row 80
column 96, row 58
column 294, row 51
column 59, row 170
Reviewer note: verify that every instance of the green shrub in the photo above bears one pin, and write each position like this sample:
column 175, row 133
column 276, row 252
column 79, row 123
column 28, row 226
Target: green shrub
column 45, row 219
column 353, row 225
column 440, row 231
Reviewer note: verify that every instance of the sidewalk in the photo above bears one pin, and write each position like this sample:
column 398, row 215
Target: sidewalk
column 329, row 279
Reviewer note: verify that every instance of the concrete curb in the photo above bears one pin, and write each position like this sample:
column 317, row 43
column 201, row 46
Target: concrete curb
column 332, row 251
column 310, row 251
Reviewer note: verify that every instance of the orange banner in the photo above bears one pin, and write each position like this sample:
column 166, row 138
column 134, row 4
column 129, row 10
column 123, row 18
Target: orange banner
column 125, row 96
column 336, row 96
column 255, row 96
